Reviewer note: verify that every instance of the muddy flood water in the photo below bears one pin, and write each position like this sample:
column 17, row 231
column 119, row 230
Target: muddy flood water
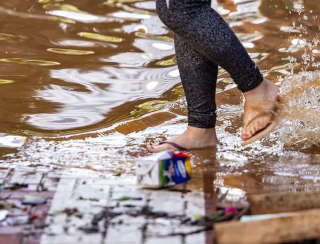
column 91, row 83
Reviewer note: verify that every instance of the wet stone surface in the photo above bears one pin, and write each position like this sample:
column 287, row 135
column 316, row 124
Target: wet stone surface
column 95, row 210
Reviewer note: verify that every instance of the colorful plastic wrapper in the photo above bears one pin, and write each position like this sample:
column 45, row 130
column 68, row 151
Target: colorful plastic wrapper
column 164, row 169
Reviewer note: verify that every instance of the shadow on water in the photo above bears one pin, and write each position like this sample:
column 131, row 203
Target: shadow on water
column 91, row 83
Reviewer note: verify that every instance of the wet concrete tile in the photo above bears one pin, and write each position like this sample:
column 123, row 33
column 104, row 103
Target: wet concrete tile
column 29, row 177
column 195, row 204
column 11, row 235
column 21, row 193
column 171, row 202
column 78, row 238
column 64, row 229
column 134, row 197
column 3, row 174
column 125, row 233
column 32, row 239
column 171, row 240
column 50, row 184
column 196, row 238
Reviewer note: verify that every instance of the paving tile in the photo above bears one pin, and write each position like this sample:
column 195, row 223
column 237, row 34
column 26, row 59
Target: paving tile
column 196, row 238
column 162, row 240
column 10, row 235
column 21, row 193
column 92, row 190
column 3, row 175
column 63, row 194
column 64, row 230
column 50, row 183
column 29, row 177
column 86, row 197
column 74, row 238
column 124, row 233
column 171, row 202
column 41, row 211
column 32, row 239
column 129, row 220
column 54, row 174
column 140, row 198
column 164, row 227
column 195, row 204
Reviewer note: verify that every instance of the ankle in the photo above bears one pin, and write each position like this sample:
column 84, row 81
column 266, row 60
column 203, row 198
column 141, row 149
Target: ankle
column 200, row 131
column 201, row 135
column 266, row 90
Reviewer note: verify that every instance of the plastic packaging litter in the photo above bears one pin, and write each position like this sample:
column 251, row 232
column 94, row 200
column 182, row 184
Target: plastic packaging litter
column 11, row 140
column 164, row 169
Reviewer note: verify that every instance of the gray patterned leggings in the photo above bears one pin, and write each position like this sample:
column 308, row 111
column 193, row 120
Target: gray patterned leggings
column 204, row 41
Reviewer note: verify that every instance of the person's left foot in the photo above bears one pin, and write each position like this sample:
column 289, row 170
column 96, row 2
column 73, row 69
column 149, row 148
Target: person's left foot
column 259, row 108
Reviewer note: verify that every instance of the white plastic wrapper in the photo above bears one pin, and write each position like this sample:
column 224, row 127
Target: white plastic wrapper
column 12, row 141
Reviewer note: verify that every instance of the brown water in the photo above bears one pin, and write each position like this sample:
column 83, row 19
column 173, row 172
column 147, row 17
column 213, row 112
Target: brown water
column 92, row 82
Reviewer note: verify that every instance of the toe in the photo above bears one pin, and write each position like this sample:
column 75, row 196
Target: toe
column 249, row 131
column 160, row 148
column 245, row 134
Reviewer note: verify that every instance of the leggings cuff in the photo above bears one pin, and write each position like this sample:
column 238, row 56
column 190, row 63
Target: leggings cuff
column 202, row 120
column 249, row 81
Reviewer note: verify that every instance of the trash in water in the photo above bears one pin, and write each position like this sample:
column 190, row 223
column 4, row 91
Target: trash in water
column 246, row 218
column 34, row 216
column 88, row 228
column 230, row 210
column 34, row 201
column 20, row 220
column 98, row 217
column 164, row 169
column 125, row 198
column 3, row 214
column 16, row 186
column 12, row 141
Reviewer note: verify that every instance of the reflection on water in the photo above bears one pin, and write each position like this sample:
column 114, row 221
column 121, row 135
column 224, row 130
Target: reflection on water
column 96, row 81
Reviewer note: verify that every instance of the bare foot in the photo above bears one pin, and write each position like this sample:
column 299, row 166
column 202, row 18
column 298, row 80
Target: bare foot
column 192, row 138
column 259, row 100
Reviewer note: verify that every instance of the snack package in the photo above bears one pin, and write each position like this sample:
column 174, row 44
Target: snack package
column 164, row 169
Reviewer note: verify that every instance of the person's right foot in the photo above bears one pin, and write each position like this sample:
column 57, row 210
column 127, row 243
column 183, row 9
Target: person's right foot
column 192, row 138
column 259, row 108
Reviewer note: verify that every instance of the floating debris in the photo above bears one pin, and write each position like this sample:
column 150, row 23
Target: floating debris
column 70, row 211
column 153, row 37
column 31, row 200
column 59, row 6
column 16, row 186
column 25, row 61
column 2, row 81
column 125, row 198
column 169, row 62
column 42, row 187
column 12, row 141
column 69, row 51
column 20, row 220
column 230, row 210
column 3, row 215
column 88, row 228
column 100, row 37
column 34, row 216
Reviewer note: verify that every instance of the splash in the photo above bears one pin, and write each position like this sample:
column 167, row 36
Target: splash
column 300, row 127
